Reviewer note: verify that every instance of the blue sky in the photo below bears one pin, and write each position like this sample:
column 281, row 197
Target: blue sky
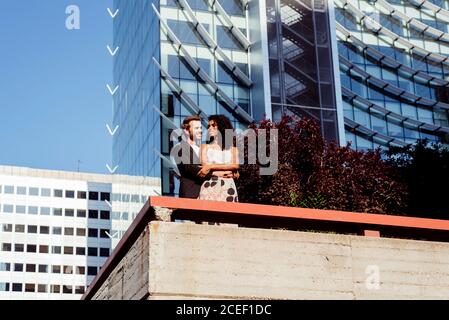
column 54, row 105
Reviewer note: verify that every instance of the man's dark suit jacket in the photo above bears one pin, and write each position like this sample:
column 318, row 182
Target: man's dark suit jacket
column 190, row 181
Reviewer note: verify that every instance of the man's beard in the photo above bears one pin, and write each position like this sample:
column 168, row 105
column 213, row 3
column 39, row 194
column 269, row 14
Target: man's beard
column 192, row 138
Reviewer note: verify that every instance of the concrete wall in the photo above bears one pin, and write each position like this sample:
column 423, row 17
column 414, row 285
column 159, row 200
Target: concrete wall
column 129, row 280
column 180, row 260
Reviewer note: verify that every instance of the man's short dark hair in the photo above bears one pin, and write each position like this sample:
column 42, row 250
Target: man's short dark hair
column 186, row 122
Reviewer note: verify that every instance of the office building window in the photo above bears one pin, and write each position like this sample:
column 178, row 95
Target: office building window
column 17, row 287
column 104, row 233
column 81, row 232
column 45, row 211
column 226, row 40
column 57, row 212
column 104, row 252
column 6, row 247
column 55, row 288
column 22, row 191
column 8, row 208
column 56, row 250
column 70, row 194
column 186, row 32
column 105, row 215
column 18, row 267
column 57, row 193
column 19, row 247
column 92, row 271
column 42, row 288
column 57, row 230
column 105, row 196
column 30, row 287
column 81, row 213
column 93, row 233
column 43, row 249
column 80, row 251
column 116, row 197
column 68, row 231
column 32, row 229
column 19, row 228
column 20, row 209
column 233, row 7
column 93, row 195
column 6, row 227
column 5, row 266
column 30, row 268
column 45, row 192
column 34, row 191
column 92, row 252
column 93, row 214
column 69, row 212
column 80, row 270
column 79, row 290
column 4, row 287
column 9, row 189
column 33, row 210
column 44, row 230
column 55, row 269
column 43, row 268
column 81, row 195
column 31, row 248
column 115, row 215
column 68, row 250
column 68, row 269
column 67, row 289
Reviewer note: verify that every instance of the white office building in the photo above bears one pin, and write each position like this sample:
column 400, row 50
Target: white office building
column 58, row 228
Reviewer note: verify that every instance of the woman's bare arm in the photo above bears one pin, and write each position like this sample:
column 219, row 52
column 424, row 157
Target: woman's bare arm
column 205, row 170
column 203, row 155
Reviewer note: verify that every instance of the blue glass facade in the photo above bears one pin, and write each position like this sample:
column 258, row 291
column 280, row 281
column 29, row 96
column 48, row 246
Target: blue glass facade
column 136, row 33
column 394, row 71
column 373, row 72
column 208, row 63
column 179, row 58
column 301, row 64
column 183, row 73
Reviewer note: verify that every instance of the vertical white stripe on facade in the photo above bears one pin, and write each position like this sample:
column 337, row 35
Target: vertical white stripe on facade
column 336, row 65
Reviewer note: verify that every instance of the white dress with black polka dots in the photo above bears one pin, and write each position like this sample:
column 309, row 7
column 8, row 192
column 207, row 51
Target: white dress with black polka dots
column 217, row 188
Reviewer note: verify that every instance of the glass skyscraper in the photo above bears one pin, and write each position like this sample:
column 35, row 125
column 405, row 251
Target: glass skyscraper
column 371, row 72
column 394, row 70
column 301, row 62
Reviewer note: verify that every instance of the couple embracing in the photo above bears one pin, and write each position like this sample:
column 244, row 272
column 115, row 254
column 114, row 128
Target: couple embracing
column 208, row 170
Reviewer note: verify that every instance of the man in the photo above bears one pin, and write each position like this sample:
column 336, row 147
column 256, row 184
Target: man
column 188, row 153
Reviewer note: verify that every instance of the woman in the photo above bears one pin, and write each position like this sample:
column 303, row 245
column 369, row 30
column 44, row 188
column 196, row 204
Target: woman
column 219, row 158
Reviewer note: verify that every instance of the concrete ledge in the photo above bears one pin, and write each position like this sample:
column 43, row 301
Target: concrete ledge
column 191, row 261
column 160, row 259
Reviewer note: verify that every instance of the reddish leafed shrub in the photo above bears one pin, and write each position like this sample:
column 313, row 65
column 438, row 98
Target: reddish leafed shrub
column 316, row 174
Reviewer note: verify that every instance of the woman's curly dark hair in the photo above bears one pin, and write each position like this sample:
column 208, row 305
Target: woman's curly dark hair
column 223, row 124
